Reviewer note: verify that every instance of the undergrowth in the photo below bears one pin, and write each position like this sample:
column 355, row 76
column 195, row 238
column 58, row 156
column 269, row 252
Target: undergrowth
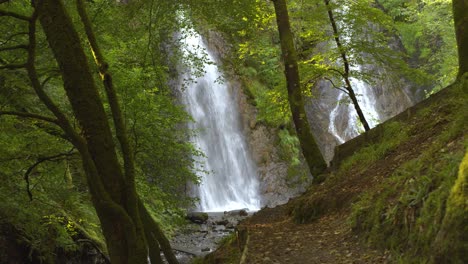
column 227, row 253
column 312, row 205
column 393, row 135
column 407, row 212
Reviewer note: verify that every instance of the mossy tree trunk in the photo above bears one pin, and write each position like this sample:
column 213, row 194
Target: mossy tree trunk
column 308, row 144
column 111, row 185
column 451, row 244
column 345, row 75
column 460, row 16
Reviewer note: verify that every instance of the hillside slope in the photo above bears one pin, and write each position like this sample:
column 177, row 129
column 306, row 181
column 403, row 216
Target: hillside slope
column 385, row 203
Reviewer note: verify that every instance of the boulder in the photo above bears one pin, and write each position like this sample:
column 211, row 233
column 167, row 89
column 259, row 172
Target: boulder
column 241, row 212
column 223, row 222
column 197, row 217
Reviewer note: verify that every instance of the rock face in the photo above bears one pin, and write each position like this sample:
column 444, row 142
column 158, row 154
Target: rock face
column 391, row 98
column 389, row 93
column 263, row 141
column 273, row 171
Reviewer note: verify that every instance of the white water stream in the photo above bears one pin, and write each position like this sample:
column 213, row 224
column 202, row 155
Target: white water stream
column 365, row 96
column 367, row 101
column 231, row 182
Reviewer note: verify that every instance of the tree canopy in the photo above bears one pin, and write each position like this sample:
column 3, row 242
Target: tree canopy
column 94, row 138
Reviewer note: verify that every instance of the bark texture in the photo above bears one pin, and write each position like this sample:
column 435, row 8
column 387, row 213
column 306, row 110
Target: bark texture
column 345, row 75
column 451, row 241
column 309, row 147
column 113, row 194
column 460, row 16
column 137, row 212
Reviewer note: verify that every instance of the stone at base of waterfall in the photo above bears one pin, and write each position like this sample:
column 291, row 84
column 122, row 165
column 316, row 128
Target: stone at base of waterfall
column 197, row 217
column 241, row 212
column 205, row 249
column 223, row 222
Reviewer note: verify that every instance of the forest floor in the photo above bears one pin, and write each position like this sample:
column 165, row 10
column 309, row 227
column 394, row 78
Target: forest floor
column 274, row 235
column 275, row 238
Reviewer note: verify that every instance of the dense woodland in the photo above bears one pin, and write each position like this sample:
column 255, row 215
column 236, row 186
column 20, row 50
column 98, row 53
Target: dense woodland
column 94, row 143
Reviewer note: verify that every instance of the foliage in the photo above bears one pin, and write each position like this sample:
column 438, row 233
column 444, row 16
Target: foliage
column 141, row 71
column 369, row 32
column 60, row 210
column 142, row 54
column 229, row 252
column 427, row 33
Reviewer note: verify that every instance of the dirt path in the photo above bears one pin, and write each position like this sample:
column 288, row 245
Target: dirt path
column 275, row 238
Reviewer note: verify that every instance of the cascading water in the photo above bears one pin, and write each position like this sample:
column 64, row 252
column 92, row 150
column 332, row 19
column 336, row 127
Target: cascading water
column 231, row 182
column 367, row 100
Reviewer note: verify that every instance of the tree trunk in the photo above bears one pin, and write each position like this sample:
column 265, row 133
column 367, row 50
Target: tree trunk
column 154, row 231
column 348, row 86
column 309, row 147
column 110, row 191
column 450, row 245
column 460, row 17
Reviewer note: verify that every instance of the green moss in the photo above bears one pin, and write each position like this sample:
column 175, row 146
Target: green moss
column 394, row 134
column 228, row 252
column 454, row 227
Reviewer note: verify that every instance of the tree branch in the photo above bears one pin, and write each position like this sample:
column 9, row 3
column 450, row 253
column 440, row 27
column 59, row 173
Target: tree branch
column 25, row 47
column 12, row 36
column 337, row 71
column 117, row 116
column 46, row 80
column 14, row 15
column 30, row 115
column 335, row 86
column 12, row 66
column 62, row 120
column 37, row 163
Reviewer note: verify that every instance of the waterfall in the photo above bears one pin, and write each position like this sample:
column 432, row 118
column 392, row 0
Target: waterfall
column 367, row 102
column 365, row 96
column 231, row 182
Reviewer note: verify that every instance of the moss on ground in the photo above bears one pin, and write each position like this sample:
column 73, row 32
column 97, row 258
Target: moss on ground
column 228, row 252
column 410, row 211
